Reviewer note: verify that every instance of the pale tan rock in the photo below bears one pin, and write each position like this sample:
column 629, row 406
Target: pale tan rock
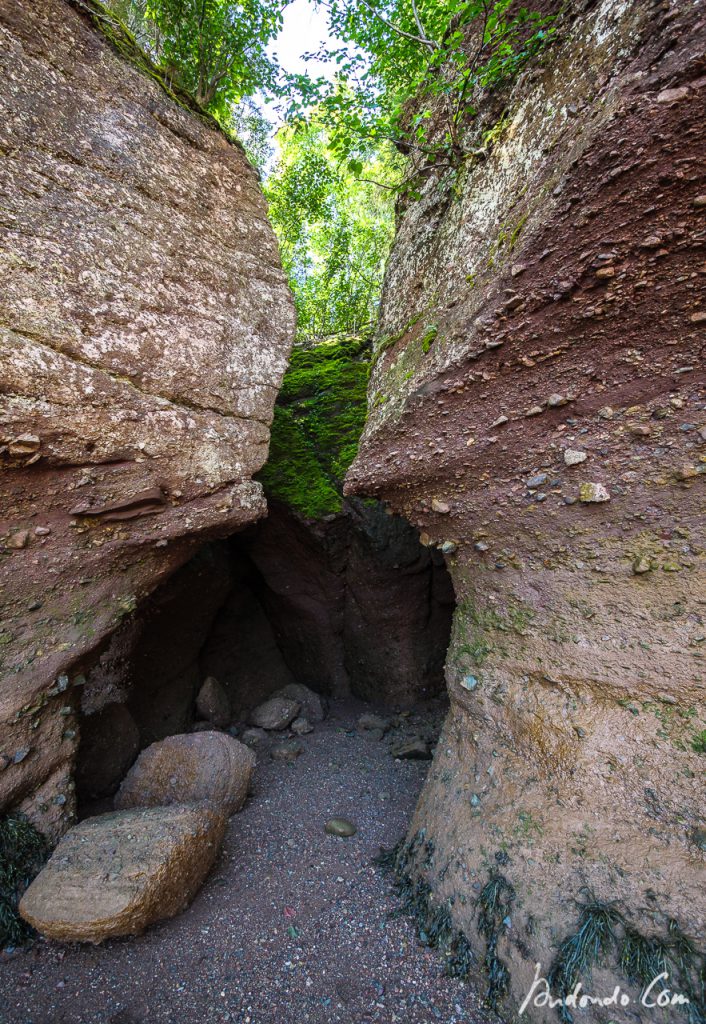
column 119, row 873
column 200, row 766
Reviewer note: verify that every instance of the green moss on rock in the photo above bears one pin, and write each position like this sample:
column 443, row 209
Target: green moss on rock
column 319, row 417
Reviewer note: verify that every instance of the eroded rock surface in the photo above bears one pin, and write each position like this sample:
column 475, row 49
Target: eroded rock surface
column 145, row 325
column 537, row 410
column 117, row 874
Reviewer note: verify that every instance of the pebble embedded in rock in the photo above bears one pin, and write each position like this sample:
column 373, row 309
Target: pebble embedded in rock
column 641, row 565
column 537, row 481
column 591, row 493
column 440, row 506
column 17, row 541
column 341, row 827
column 572, row 457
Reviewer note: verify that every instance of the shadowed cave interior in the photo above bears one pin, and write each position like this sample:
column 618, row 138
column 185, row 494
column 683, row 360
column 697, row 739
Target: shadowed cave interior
column 353, row 606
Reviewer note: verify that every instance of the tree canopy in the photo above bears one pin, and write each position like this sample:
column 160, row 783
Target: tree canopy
column 335, row 229
column 408, row 73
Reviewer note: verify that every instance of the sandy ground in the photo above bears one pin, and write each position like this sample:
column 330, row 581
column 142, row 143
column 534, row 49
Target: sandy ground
column 292, row 926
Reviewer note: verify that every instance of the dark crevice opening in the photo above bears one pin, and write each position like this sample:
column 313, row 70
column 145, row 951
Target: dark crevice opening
column 354, row 606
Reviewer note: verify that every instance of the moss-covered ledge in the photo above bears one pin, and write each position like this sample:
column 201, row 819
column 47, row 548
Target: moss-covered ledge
column 319, row 417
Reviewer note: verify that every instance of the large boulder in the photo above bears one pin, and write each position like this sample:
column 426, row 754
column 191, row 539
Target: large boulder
column 118, row 873
column 201, row 766
column 275, row 713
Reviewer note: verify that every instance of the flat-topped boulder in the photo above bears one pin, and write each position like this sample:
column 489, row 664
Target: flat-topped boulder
column 204, row 766
column 119, row 873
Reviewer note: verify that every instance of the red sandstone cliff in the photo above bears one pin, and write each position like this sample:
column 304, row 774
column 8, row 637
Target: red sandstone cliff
column 538, row 404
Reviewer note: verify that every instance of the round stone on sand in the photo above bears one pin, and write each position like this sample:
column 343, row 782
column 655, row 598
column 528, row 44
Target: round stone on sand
column 340, row 827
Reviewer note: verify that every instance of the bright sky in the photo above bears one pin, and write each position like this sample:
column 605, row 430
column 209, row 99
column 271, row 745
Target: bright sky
column 305, row 29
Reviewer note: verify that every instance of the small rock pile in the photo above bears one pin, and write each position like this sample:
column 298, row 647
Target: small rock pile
column 290, row 712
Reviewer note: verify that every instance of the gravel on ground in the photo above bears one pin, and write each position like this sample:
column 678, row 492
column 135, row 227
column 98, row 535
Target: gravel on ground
column 292, row 927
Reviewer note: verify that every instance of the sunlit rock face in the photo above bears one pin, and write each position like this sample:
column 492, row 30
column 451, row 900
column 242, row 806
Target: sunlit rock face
column 538, row 405
column 145, row 325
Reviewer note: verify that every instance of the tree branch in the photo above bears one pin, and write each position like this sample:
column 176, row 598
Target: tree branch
column 429, row 43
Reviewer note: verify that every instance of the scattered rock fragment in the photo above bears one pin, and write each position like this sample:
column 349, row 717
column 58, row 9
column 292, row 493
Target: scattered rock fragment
column 18, row 540
column 254, row 737
column 313, row 705
column 341, row 827
column 536, row 481
column 302, row 726
column 573, row 457
column 440, row 506
column 639, row 429
column 287, row 750
column 119, row 873
column 415, row 749
column 371, row 723
column 212, row 703
column 276, row 713
column 591, row 493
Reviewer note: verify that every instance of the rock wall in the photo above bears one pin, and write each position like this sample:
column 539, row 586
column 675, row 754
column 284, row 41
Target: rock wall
column 145, row 326
column 538, row 404
column 356, row 604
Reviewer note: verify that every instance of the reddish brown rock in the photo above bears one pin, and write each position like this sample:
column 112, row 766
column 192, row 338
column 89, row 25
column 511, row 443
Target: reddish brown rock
column 569, row 762
column 119, row 873
column 146, row 325
column 212, row 703
column 204, row 766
